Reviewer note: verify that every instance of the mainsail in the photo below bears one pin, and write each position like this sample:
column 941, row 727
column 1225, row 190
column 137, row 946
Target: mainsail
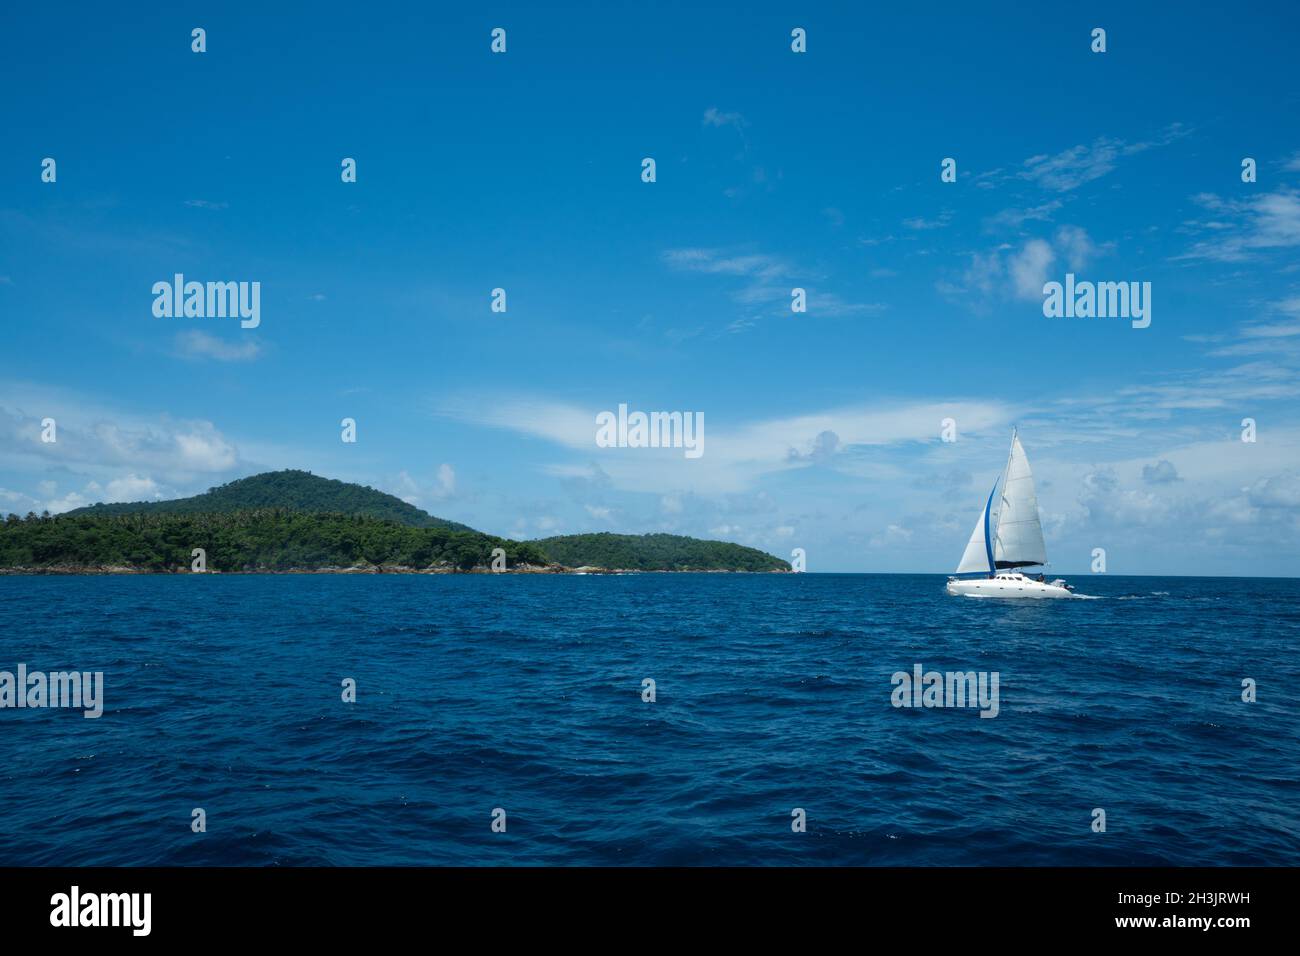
column 1019, row 537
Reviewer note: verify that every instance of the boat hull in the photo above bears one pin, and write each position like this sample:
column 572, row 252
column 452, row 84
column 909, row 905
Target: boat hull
column 1001, row 588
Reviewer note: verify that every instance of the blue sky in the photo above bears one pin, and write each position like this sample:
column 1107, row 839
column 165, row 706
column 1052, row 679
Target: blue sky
column 775, row 170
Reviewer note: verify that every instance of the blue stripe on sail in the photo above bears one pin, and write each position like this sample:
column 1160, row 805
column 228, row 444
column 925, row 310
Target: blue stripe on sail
column 988, row 540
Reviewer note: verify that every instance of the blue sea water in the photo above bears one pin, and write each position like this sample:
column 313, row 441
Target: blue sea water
column 773, row 692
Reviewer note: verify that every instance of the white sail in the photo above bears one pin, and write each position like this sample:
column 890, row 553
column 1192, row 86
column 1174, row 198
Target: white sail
column 1019, row 538
column 976, row 555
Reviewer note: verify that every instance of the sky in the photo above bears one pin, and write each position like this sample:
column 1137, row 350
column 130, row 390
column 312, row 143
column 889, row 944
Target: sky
column 774, row 170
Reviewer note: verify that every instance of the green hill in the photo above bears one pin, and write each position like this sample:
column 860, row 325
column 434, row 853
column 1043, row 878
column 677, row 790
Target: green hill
column 292, row 490
column 655, row 552
column 294, row 520
column 271, row 539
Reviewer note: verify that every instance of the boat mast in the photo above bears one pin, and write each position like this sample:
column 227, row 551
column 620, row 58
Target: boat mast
column 1015, row 430
column 988, row 541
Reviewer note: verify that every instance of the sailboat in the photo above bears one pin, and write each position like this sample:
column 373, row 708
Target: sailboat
column 1007, row 537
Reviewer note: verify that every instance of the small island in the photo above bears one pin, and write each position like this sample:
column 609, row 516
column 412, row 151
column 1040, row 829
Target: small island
column 296, row 522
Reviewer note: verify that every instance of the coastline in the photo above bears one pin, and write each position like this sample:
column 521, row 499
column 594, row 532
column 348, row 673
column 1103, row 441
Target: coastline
column 73, row 570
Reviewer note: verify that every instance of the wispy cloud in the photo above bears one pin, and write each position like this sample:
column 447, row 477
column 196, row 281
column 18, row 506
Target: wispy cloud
column 420, row 492
column 737, row 453
column 716, row 117
column 830, row 304
column 1014, row 218
column 768, row 281
column 1073, row 167
column 1278, row 337
column 920, row 223
column 1028, row 268
column 1238, row 230
column 195, row 344
column 1077, row 248
column 1019, row 272
column 716, row 262
column 1290, row 308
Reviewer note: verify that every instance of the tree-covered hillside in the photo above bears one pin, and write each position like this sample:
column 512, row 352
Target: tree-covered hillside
column 272, row 539
column 655, row 552
column 294, row 490
column 285, row 520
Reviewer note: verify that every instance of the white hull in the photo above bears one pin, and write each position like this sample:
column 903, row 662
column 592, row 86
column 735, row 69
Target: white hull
column 1008, row 586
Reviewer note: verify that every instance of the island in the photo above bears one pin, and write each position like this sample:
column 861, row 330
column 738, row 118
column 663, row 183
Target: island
column 296, row 522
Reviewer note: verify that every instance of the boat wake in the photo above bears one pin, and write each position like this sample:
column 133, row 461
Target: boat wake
column 1077, row 597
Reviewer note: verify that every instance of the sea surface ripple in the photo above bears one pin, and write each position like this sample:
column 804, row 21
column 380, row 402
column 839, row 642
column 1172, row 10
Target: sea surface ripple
column 773, row 692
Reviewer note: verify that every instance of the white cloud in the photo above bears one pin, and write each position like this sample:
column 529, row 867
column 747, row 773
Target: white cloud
column 716, row 262
column 1243, row 228
column 1028, row 268
column 1019, row 273
column 127, row 488
column 919, row 223
column 830, row 304
column 769, row 281
column 68, row 502
column 103, row 453
column 1262, row 338
column 715, row 117
column 1277, row 491
column 1076, row 248
column 201, row 447
column 132, row 487
column 1162, row 472
column 1014, row 218
column 196, row 344
column 414, row 492
column 88, row 437
column 1073, row 167
column 736, row 454
column 893, row 535
column 446, row 480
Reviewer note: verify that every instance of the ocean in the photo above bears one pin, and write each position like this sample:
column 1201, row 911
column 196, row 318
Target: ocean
column 524, row 694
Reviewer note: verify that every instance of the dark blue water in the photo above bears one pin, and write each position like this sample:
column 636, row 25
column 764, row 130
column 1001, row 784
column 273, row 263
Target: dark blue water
column 477, row 692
